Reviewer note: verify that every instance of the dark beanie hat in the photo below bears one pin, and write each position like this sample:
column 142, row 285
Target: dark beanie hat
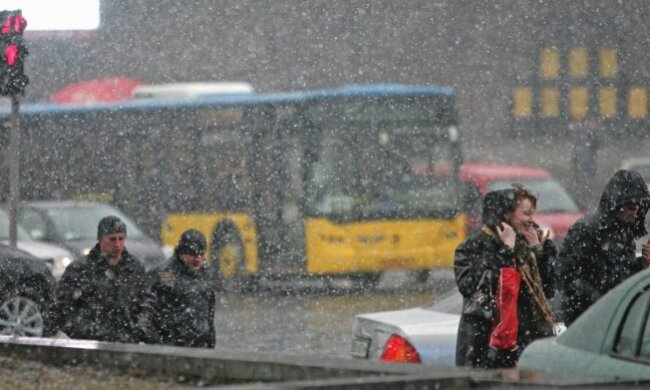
column 192, row 242
column 110, row 225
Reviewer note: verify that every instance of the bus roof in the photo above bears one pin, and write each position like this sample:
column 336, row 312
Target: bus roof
column 349, row 91
column 188, row 90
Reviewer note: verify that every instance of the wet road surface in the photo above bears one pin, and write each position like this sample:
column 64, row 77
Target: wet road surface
column 314, row 323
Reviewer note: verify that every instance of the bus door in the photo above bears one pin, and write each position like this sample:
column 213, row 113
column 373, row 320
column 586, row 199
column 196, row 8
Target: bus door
column 265, row 169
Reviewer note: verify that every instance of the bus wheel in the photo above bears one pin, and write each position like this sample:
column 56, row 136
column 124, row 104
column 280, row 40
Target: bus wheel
column 228, row 260
column 422, row 276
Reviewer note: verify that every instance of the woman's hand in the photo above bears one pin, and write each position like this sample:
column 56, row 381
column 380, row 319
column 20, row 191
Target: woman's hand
column 535, row 237
column 532, row 236
column 506, row 234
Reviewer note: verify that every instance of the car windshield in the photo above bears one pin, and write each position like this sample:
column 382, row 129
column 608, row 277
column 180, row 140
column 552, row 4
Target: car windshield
column 80, row 222
column 22, row 235
column 552, row 197
column 450, row 302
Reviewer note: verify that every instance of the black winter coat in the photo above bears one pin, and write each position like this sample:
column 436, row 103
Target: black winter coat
column 97, row 302
column 477, row 263
column 598, row 252
column 183, row 305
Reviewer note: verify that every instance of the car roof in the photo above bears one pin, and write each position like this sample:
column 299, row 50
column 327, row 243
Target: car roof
column 495, row 171
column 482, row 173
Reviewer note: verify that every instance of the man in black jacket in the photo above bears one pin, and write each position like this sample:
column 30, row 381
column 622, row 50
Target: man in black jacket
column 100, row 297
column 182, row 307
column 599, row 250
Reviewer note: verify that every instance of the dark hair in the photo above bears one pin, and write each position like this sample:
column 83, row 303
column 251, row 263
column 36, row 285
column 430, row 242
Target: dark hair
column 522, row 193
column 110, row 225
column 498, row 203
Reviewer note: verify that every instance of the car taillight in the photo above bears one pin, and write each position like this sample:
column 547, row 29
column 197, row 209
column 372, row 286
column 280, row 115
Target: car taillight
column 398, row 350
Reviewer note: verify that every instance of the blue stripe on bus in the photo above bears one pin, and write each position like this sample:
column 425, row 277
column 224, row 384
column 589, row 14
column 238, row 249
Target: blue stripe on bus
column 354, row 90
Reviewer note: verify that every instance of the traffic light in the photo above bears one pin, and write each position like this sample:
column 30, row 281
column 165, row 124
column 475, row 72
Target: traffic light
column 12, row 53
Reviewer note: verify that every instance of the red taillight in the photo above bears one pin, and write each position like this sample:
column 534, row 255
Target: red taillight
column 398, row 350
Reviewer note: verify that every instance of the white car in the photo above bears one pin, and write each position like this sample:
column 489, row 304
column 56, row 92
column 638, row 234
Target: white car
column 55, row 257
column 425, row 334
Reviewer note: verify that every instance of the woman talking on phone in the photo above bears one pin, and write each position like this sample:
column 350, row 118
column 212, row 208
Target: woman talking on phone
column 504, row 272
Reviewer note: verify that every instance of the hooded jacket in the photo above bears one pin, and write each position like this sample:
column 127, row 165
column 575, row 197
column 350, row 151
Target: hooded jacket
column 97, row 302
column 183, row 304
column 599, row 250
column 477, row 264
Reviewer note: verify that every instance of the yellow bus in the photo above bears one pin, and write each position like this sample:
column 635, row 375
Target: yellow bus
column 309, row 183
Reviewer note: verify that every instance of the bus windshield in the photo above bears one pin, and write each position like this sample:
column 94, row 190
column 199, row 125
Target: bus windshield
column 364, row 171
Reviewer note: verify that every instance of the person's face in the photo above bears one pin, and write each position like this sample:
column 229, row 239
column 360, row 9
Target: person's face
column 193, row 261
column 627, row 213
column 522, row 218
column 112, row 245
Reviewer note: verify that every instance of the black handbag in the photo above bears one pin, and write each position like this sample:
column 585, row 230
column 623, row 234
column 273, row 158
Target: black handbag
column 481, row 305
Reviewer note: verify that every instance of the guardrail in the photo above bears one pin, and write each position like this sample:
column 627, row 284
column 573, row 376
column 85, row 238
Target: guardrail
column 251, row 370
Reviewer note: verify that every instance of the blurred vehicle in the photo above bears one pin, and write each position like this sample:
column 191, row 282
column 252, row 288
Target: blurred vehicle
column 610, row 339
column 73, row 225
column 639, row 164
column 424, row 334
column 55, row 257
column 26, row 290
column 556, row 207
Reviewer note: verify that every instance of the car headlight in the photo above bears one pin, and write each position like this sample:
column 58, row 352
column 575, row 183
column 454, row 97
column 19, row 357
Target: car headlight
column 167, row 250
column 61, row 262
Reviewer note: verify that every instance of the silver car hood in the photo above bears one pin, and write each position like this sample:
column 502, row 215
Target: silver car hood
column 42, row 250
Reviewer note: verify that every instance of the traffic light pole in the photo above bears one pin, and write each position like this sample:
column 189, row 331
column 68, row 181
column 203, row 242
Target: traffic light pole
column 14, row 161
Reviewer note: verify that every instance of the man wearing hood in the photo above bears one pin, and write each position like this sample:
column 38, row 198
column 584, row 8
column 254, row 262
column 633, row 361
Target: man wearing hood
column 183, row 301
column 508, row 238
column 100, row 296
column 599, row 250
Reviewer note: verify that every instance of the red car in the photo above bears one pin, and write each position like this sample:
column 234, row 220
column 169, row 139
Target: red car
column 556, row 208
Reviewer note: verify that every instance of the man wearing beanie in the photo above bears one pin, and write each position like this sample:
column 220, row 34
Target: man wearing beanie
column 182, row 306
column 100, row 297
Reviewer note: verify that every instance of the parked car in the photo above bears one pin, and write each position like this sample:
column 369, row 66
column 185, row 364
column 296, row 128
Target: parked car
column 55, row 257
column 556, row 209
column 424, row 334
column 611, row 339
column 26, row 290
column 73, row 225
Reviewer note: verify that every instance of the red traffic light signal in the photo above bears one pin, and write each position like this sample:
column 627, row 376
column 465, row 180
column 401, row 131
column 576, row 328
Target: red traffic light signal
column 14, row 23
column 12, row 53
